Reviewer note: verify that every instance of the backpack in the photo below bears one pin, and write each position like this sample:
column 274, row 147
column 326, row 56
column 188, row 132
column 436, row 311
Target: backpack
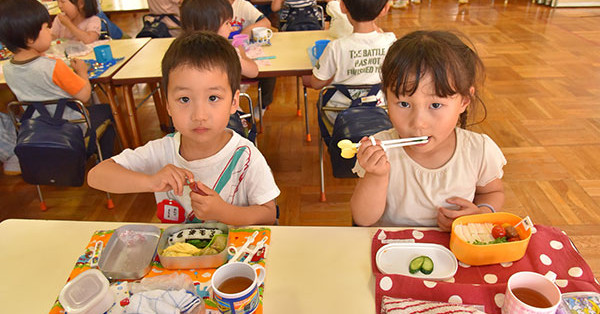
column 154, row 27
column 362, row 118
column 302, row 19
column 51, row 150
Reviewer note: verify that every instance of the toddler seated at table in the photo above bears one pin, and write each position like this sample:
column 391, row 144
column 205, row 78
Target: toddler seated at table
column 233, row 183
column 214, row 16
column 431, row 80
column 77, row 21
column 31, row 76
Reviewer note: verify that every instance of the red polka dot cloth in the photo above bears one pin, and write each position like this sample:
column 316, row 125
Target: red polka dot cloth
column 549, row 250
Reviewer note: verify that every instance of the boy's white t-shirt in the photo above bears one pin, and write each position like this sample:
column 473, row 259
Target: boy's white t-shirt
column 251, row 182
column 244, row 14
column 355, row 59
column 415, row 192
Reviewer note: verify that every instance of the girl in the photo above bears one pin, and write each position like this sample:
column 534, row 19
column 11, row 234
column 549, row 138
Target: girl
column 214, row 16
column 431, row 81
column 77, row 21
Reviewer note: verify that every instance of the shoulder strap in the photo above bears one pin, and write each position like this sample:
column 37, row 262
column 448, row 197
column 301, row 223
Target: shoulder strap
column 172, row 18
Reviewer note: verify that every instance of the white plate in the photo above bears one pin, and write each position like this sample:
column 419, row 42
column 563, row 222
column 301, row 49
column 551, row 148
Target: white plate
column 394, row 258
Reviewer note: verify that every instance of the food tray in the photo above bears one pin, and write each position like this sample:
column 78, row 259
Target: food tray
column 189, row 262
column 492, row 253
column 394, row 258
column 126, row 261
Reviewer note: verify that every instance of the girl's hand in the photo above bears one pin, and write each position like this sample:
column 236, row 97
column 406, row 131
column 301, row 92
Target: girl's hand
column 170, row 178
column 64, row 19
column 207, row 207
column 373, row 158
column 446, row 216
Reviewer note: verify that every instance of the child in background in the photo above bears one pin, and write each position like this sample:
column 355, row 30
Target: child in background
column 77, row 21
column 302, row 7
column 355, row 59
column 431, row 81
column 32, row 77
column 201, row 73
column 214, row 16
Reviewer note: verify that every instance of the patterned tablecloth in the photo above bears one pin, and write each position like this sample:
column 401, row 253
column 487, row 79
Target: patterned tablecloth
column 549, row 250
column 200, row 277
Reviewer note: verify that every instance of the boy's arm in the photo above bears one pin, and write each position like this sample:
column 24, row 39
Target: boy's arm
column 317, row 83
column 264, row 22
column 276, row 5
column 73, row 81
column 80, row 68
column 111, row 177
column 212, row 207
column 249, row 67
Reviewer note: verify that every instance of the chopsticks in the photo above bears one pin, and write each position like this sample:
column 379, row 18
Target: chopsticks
column 349, row 149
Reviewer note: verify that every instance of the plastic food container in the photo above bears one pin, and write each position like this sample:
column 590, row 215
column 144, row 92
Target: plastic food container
column 87, row 293
column 394, row 258
column 188, row 262
column 491, row 253
column 579, row 302
column 129, row 252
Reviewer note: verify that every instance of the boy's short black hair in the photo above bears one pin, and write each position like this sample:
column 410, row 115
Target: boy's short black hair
column 21, row 21
column 202, row 50
column 364, row 10
column 204, row 15
column 90, row 7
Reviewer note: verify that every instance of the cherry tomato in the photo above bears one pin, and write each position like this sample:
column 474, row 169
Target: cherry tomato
column 498, row 232
column 513, row 239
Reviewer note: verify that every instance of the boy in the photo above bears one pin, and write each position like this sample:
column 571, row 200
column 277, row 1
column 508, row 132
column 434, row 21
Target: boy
column 355, row 59
column 201, row 72
column 31, row 76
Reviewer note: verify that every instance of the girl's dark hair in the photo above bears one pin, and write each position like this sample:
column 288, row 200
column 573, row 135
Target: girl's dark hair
column 202, row 50
column 453, row 66
column 90, row 7
column 204, row 15
column 21, row 21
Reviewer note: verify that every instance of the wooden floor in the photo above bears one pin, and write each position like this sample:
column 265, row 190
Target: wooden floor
column 543, row 98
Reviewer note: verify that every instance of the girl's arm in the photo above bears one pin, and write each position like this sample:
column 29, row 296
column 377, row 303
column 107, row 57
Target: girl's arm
column 491, row 194
column 276, row 5
column 84, row 36
column 212, row 207
column 369, row 197
column 249, row 67
column 111, row 177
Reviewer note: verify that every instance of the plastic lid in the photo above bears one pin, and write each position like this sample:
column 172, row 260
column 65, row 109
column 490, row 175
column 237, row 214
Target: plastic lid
column 85, row 292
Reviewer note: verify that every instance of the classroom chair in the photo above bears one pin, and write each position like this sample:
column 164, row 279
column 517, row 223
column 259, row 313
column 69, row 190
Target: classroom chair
column 243, row 122
column 362, row 118
column 43, row 157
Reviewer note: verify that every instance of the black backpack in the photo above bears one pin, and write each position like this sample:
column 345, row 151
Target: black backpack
column 302, row 19
column 154, row 27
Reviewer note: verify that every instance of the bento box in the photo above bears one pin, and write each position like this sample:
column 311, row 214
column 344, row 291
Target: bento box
column 180, row 232
column 129, row 252
column 485, row 254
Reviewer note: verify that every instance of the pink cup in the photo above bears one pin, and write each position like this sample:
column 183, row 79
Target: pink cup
column 241, row 40
column 540, row 284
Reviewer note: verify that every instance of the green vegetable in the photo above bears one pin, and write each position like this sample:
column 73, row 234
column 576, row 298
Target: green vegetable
column 496, row 241
column 422, row 263
column 415, row 264
column 198, row 243
column 427, row 266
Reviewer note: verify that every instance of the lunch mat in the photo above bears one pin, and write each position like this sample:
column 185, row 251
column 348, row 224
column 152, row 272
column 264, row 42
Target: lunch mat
column 200, row 277
column 549, row 250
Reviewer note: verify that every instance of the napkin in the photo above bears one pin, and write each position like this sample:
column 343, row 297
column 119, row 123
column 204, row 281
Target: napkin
column 162, row 302
column 406, row 306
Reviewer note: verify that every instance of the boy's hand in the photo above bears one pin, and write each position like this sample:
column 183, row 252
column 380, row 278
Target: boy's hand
column 79, row 66
column 170, row 178
column 207, row 207
column 446, row 216
column 373, row 158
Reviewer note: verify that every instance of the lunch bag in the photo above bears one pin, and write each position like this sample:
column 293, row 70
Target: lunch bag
column 154, row 27
column 362, row 118
column 301, row 19
column 51, row 150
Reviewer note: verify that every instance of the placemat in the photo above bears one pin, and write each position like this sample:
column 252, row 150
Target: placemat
column 549, row 250
column 200, row 277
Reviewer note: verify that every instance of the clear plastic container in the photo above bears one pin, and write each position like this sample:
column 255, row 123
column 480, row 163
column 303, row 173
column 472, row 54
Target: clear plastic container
column 580, row 302
column 87, row 293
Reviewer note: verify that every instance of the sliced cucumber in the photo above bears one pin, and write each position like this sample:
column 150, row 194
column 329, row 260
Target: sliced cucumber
column 427, row 266
column 416, row 264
